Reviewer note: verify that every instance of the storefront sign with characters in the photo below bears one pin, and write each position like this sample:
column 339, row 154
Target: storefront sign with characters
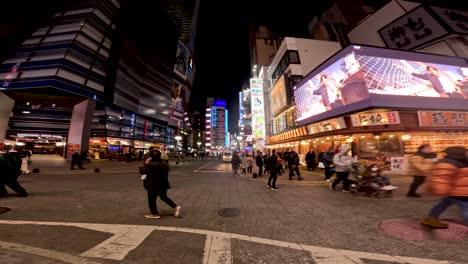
column 375, row 119
column 442, row 118
column 397, row 163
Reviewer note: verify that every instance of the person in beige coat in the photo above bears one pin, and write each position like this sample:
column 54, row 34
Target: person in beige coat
column 420, row 166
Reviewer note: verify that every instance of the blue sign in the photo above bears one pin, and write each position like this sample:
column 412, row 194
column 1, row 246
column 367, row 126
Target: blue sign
column 220, row 103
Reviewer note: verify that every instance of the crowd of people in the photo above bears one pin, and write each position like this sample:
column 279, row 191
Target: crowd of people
column 447, row 177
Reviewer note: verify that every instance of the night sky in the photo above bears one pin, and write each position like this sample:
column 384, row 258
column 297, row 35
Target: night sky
column 222, row 48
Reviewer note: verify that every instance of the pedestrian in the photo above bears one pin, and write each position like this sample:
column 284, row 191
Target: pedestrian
column 272, row 165
column 235, row 162
column 147, row 155
column 327, row 161
column 265, row 157
column 286, row 159
column 420, row 166
column 156, row 184
column 10, row 167
column 77, row 159
column 259, row 163
column 342, row 162
column 310, row 160
column 293, row 163
column 449, row 179
column 249, row 164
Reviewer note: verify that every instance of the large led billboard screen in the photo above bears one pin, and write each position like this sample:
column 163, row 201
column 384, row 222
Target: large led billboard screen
column 357, row 73
column 278, row 96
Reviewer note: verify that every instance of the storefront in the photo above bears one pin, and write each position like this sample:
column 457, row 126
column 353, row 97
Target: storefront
column 114, row 148
column 380, row 136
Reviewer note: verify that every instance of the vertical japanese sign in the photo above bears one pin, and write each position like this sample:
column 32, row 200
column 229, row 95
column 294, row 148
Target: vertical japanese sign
column 397, row 163
column 442, row 118
column 412, row 30
column 241, row 113
column 258, row 110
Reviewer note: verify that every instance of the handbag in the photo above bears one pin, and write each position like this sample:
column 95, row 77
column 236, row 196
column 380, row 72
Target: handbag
column 321, row 165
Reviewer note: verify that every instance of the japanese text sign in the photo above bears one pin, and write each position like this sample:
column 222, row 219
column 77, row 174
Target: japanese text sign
column 412, row 30
column 375, row 119
column 442, row 118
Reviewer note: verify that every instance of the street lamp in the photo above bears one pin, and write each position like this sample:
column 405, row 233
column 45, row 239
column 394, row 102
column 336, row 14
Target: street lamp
column 198, row 144
column 239, row 138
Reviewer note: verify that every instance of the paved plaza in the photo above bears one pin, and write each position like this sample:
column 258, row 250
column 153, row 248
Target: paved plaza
column 85, row 217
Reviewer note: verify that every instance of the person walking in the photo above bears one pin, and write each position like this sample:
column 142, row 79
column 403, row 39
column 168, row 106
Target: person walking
column 450, row 179
column 156, row 184
column 327, row 160
column 420, row 165
column 77, row 159
column 286, row 155
column 342, row 163
column 272, row 165
column 310, row 160
column 294, row 165
column 249, row 164
column 10, row 166
column 235, row 162
column 259, row 163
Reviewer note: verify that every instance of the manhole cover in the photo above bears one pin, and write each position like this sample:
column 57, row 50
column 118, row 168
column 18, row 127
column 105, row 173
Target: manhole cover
column 229, row 212
column 410, row 229
column 4, row 210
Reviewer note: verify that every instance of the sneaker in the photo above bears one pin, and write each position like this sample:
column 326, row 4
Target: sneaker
column 330, row 187
column 177, row 211
column 345, row 191
column 328, row 180
column 268, row 187
column 433, row 222
column 274, row 189
column 353, row 185
column 153, row 216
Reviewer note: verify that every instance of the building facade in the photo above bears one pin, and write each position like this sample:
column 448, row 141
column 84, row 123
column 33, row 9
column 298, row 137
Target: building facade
column 216, row 128
column 89, row 78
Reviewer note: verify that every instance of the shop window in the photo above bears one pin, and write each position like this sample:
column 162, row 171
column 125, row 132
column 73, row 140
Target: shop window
column 293, row 56
column 382, row 146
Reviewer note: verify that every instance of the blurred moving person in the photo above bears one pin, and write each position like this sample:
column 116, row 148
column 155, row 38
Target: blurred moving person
column 420, row 166
column 450, row 179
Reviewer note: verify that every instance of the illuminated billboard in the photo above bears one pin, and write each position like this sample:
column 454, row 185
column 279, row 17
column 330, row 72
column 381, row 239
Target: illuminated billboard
column 279, row 96
column 362, row 76
column 258, row 109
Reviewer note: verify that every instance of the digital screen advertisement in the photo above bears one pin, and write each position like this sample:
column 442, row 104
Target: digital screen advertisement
column 278, row 96
column 356, row 72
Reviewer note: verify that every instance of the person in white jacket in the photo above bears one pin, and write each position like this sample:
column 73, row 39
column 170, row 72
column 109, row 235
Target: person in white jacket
column 342, row 163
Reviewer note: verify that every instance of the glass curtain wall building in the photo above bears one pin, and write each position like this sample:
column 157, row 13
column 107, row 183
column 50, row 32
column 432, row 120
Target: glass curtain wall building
column 91, row 52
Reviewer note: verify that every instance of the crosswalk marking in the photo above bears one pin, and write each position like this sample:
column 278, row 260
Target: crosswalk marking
column 217, row 244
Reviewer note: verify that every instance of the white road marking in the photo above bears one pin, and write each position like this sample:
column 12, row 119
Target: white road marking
column 209, row 163
column 46, row 253
column 217, row 248
column 217, row 245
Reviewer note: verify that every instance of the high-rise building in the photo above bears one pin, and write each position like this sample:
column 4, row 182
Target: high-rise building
column 89, row 76
column 216, row 127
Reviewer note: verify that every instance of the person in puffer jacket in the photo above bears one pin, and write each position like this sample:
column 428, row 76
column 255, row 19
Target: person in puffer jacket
column 450, row 179
column 342, row 163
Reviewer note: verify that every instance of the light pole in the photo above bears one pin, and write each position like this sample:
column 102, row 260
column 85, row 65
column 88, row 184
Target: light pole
column 198, row 144
column 239, row 138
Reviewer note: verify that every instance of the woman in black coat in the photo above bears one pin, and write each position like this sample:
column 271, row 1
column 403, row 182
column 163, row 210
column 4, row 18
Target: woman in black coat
column 156, row 184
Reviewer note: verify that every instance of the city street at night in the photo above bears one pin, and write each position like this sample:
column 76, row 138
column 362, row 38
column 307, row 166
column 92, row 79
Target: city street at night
column 85, row 217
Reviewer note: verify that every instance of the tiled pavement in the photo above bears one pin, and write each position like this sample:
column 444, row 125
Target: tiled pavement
column 295, row 214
